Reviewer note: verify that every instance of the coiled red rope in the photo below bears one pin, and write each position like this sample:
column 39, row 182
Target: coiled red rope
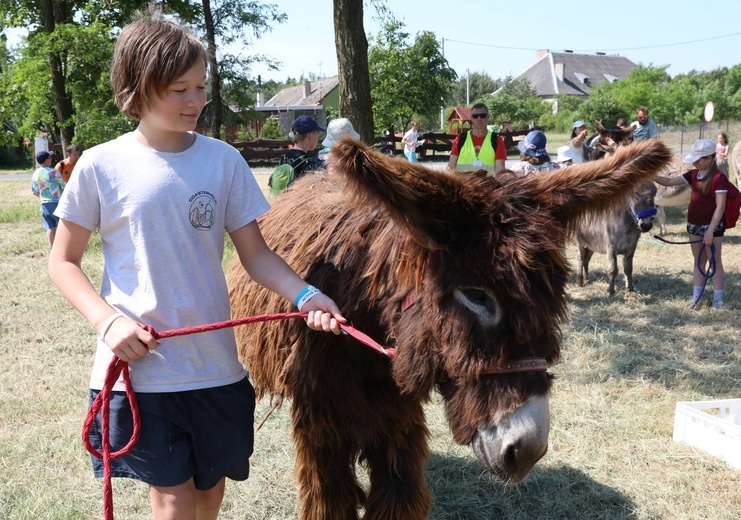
column 117, row 367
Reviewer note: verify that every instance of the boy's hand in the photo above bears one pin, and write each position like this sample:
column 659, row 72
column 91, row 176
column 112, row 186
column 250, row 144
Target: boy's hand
column 323, row 314
column 128, row 340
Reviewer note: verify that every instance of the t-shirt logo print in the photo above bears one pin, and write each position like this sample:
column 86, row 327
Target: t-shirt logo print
column 202, row 215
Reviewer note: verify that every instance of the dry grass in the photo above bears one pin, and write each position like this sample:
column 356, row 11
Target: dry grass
column 626, row 361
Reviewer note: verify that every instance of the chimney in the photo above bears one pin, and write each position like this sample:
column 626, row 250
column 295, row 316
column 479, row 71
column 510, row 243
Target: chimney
column 559, row 70
column 307, row 88
column 539, row 54
column 260, row 99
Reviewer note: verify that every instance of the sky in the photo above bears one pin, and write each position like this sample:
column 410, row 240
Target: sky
column 501, row 38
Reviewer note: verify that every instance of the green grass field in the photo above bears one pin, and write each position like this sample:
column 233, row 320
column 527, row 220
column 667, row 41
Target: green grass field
column 626, row 362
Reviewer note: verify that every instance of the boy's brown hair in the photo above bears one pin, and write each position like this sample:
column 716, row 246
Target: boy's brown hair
column 150, row 55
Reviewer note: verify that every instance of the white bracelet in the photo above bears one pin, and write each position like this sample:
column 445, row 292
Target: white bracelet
column 107, row 325
column 306, row 295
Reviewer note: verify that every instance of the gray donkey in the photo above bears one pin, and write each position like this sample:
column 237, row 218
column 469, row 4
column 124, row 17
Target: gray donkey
column 618, row 232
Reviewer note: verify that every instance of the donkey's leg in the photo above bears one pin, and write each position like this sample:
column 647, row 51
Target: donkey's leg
column 582, row 273
column 397, row 471
column 661, row 217
column 612, row 269
column 325, row 472
column 628, row 270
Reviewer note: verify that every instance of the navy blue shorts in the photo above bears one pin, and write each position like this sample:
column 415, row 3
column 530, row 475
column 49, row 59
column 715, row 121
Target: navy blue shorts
column 47, row 213
column 205, row 434
column 694, row 229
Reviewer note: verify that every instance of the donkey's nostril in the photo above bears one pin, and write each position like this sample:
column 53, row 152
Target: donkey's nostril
column 510, row 458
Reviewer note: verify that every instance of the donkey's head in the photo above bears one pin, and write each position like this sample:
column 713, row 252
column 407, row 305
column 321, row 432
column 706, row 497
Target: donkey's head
column 608, row 140
column 642, row 206
column 490, row 291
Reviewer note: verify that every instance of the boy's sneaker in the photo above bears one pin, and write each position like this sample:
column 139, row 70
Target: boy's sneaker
column 717, row 304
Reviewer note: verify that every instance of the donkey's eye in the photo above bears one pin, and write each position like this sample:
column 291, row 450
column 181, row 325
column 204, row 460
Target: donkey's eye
column 481, row 302
column 477, row 296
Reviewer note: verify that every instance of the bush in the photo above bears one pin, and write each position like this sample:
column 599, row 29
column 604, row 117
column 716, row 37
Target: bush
column 272, row 129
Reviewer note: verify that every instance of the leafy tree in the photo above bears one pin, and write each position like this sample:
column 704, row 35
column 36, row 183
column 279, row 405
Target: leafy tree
column 604, row 109
column 519, row 88
column 226, row 22
column 732, row 91
column 563, row 119
column 516, row 102
column 478, row 84
column 27, row 92
column 642, row 87
column 407, row 81
column 56, row 46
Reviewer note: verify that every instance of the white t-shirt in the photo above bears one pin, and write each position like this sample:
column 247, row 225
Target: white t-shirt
column 410, row 137
column 162, row 218
column 578, row 152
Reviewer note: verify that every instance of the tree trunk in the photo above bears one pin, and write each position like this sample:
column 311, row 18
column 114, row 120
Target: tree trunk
column 214, row 66
column 352, row 64
column 62, row 99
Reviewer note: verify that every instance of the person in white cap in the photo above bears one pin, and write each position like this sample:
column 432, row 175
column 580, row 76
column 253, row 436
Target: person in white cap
column 578, row 144
column 336, row 130
column 565, row 156
column 705, row 224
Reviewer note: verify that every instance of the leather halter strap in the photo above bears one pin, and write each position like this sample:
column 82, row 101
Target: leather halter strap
column 528, row 364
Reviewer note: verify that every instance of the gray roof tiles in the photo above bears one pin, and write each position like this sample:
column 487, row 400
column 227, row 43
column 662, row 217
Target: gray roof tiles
column 580, row 72
column 294, row 96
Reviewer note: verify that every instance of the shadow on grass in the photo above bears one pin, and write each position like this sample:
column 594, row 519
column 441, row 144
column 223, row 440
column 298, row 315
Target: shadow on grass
column 462, row 489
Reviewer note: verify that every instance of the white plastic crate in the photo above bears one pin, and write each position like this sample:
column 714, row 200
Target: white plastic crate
column 712, row 426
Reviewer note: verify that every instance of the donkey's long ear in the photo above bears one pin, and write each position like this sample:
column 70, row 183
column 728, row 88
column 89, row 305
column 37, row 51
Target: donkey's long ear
column 432, row 205
column 597, row 186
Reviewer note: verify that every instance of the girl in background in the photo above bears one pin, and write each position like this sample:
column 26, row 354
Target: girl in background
column 721, row 151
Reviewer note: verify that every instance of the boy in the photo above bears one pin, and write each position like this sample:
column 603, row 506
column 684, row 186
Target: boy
column 162, row 197
column 66, row 166
column 47, row 185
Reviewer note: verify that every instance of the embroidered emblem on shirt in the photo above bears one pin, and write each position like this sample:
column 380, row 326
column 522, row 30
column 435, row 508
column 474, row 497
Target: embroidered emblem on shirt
column 202, row 215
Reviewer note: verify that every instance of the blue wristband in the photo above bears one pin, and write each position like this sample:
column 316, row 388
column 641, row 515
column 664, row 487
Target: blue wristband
column 305, row 295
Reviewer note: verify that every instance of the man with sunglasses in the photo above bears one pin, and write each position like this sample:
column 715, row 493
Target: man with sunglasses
column 482, row 149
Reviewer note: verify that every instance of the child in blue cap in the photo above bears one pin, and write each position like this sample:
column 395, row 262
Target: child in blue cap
column 534, row 158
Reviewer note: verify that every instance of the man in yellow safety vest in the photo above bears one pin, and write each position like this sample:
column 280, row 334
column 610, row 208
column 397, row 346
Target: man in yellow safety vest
column 482, row 149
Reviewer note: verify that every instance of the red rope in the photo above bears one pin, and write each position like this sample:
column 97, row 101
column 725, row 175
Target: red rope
column 102, row 401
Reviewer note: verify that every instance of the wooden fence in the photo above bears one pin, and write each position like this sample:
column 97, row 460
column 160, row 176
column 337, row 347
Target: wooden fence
column 436, row 146
column 263, row 151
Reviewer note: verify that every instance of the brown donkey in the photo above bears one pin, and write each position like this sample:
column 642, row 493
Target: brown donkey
column 463, row 274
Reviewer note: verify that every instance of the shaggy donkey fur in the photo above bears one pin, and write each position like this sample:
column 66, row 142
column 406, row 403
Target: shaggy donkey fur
column 484, row 258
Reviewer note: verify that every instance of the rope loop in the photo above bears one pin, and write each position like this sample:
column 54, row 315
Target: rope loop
column 706, row 274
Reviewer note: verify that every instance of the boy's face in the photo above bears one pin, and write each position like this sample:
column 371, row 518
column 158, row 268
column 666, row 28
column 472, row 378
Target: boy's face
column 73, row 156
column 178, row 107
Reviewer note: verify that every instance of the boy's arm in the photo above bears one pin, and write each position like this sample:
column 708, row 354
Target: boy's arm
column 124, row 336
column 272, row 272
